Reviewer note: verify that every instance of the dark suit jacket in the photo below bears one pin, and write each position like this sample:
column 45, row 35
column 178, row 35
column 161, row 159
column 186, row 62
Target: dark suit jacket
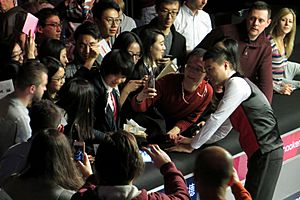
column 104, row 121
column 12, row 21
column 178, row 47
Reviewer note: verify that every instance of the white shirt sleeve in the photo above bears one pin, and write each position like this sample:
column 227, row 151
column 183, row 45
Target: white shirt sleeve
column 222, row 131
column 237, row 90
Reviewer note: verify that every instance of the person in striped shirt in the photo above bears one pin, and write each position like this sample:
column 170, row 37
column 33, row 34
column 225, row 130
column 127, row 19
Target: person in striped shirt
column 282, row 37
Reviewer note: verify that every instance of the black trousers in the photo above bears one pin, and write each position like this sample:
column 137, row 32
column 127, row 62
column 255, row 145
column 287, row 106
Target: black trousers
column 263, row 173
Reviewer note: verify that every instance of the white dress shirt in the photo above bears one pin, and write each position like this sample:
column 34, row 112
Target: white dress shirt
column 193, row 27
column 110, row 101
column 218, row 125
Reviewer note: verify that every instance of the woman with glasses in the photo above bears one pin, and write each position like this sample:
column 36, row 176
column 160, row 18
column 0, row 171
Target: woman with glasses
column 180, row 98
column 56, row 78
column 130, row 42
column 15, row 55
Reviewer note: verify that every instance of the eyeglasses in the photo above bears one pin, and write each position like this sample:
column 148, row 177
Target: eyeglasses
column 112, row 21
column 136, row 55
column 55, row 25
column 167, row 12
column 197, row 70
column 61, row 79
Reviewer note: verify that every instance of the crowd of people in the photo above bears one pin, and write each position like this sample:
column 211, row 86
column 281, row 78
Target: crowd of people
column 86, row 68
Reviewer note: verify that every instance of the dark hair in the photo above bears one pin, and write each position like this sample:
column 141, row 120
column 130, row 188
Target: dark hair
column 50, row 47
column 53, row 66
column 77, row 99
column 125, row 39
column 44, row 14
column 218, row 54
column 117, row 62
column 232, row 46
column 213, row 167
column 34, row 7
column 159, row 2
column 149, row 37
column 260, row 5
column 103, row 5
column 50, row 157
column 8, row 44
column 199, row 52
column 44, row 114
column 118, row 160
column 30, row 74
column 87, row 28
column 9, row 67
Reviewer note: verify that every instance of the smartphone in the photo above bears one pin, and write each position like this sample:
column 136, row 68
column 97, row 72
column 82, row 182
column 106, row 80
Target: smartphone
column 145, row 156
column 151, row 81
column 79, row 149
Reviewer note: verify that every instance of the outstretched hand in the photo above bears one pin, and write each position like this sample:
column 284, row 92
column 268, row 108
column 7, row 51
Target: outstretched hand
column 183, row 140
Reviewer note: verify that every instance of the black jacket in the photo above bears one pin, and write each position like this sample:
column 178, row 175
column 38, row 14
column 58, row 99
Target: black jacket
column 104, row 120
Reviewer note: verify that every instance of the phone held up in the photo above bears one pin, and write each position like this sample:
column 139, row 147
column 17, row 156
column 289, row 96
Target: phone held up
column 151, row 81
column 79, row 149
column 145, row 156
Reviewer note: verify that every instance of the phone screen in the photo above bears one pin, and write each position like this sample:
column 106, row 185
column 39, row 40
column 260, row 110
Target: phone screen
column 145, row 156
column 78, row 151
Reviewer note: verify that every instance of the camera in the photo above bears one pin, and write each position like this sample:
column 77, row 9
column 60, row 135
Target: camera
column 79, row 149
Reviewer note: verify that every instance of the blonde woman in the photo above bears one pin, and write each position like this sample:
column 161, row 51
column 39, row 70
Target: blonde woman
column 282, row 37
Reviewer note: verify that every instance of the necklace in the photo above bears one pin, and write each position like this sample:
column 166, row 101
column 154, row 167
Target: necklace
column 200, row 95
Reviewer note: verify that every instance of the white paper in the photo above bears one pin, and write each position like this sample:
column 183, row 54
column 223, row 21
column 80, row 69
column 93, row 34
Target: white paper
column 103, row 47
column 6, row 87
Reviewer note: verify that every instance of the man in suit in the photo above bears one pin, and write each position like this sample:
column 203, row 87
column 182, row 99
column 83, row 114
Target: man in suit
column 114, row 69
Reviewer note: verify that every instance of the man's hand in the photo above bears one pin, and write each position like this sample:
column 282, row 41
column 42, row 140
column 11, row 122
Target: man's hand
column 183, row 140
column 158, row 156
column 92, row 55
column 185, row 148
